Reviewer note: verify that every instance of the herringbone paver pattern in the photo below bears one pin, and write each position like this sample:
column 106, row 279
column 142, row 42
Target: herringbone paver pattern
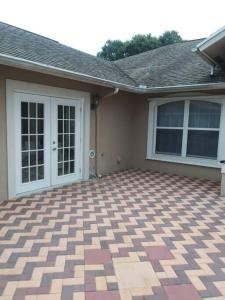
column 132, row 235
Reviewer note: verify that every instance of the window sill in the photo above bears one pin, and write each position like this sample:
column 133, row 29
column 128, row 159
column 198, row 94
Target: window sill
column 187, row 161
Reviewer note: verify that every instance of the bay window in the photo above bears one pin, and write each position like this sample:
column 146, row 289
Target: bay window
column 186, row 131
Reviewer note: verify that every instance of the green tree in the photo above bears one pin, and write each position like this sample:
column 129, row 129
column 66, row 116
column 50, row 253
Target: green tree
column 141, row 43
column 170, row 37
column 116, row 49
column 112, row 50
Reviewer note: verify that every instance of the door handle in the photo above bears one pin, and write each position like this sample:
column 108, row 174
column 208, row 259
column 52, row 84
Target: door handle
column 54, row 149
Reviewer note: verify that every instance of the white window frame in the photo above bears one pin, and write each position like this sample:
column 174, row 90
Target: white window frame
column 183, row 159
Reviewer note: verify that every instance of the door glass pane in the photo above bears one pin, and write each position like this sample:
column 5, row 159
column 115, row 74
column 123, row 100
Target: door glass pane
column 25, row 161
column 33, row 173
column 24, row 141
column 40, row 142
column 40, row 126
column 66, row 139
column 169, row 141
column 33, row 144
column 32, row 124
column 24, row 110
column 32, row 110
column 204, row 114
column 40, row 172
column 40, row 157
column 25, row 175
column 171, row 114
column 33, row 158
column 24, row 126
column 40, row 110
column 202, row 143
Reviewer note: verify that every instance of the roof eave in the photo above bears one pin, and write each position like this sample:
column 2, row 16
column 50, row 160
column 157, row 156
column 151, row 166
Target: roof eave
column 55, row 71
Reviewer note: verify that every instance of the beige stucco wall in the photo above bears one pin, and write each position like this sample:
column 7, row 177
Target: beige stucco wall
column 115, row 136
column 140, row 131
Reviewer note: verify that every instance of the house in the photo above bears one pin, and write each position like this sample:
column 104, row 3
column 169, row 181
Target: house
column 66, row 115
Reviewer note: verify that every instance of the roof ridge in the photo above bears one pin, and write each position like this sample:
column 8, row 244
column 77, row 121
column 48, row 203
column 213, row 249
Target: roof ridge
column 135, row 55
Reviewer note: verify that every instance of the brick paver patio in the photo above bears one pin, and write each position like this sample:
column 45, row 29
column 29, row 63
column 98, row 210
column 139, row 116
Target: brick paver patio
column 133, row 235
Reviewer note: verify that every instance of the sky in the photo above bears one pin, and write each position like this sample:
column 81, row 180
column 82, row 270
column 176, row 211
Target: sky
column 87, row 24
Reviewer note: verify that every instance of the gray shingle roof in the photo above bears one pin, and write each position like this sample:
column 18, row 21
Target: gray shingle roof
column 166, row 66
column 27, row 45
column 170, row 65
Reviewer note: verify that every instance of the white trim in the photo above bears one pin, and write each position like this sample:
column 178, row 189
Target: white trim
column 151, row 142
column 13, row 87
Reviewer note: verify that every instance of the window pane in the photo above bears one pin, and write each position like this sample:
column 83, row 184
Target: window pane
column 40, row 172
column 60, row 169
column 25, row 159
column 24, row 109
column 32, row 126
column 72, row 167
column 40, row 157
column 169, row 141
column 60, row 112
column 202, row 143
column 33, row 110
column 24, row 140
column 40, row 126
column 40, row 142
column 204, row 114
column 60, row 140
column 171, row 114
column 66, row 112
column 40, row 110
column 25, row 175
column 33, row 144
column 24, row 126
column 60, row 154
column 66, row 126
column 33, row 173
column 66, row 167
column 72, row 126
column 72, row 112
column 33, row 158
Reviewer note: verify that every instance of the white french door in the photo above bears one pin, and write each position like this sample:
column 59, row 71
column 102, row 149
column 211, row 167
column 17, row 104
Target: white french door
column 47, row 136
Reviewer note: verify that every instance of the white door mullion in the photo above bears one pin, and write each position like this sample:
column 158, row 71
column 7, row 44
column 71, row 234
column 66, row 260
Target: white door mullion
column 185, row 128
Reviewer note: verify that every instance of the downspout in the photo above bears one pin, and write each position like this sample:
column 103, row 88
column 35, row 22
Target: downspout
column 97, row 127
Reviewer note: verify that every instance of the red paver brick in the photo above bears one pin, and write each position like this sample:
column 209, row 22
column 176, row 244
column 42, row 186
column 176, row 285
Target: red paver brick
column 181, row 292
column 158, row 252
column 97, row 256
column 104, row 295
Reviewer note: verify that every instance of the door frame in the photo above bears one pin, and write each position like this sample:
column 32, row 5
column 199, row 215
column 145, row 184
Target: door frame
column 13, row 87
